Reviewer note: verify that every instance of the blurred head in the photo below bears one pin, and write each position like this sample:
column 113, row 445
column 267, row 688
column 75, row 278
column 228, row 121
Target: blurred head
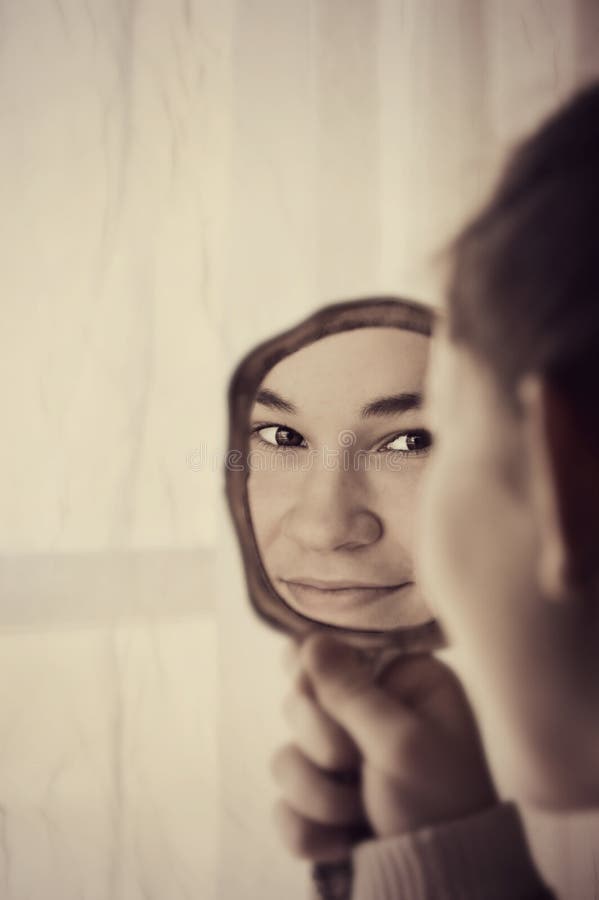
column 338, row 444
column 510, row 524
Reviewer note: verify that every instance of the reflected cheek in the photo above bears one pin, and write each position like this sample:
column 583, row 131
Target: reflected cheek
column 269, row 503
column 396, row 503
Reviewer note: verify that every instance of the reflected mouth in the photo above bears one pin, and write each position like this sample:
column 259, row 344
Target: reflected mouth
column 317, row 596
column 340, row 585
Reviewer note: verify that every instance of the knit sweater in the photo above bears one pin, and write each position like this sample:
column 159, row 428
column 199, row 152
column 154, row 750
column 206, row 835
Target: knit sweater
column 482, row 857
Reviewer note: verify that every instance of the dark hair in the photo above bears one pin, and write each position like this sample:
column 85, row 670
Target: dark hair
column 524, row 290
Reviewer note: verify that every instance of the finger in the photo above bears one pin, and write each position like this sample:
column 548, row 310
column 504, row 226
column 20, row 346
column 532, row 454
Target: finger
column 314, row 795
column 303, row 685
column 417, row 679
column 384, row 729
column 432, row 689
column 322, row 740
column 309, row 840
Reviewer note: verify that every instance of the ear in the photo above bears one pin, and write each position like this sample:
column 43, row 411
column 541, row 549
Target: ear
column 564, row 488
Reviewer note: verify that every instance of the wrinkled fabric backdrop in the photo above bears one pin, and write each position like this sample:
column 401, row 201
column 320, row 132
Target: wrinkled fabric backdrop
column 178, row 181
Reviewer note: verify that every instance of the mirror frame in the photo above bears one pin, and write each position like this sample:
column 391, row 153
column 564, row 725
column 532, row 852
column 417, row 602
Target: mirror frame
column 382, row 312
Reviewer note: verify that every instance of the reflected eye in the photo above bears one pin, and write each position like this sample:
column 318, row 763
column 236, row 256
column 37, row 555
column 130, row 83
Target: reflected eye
column 411, row 442
column 280, row 436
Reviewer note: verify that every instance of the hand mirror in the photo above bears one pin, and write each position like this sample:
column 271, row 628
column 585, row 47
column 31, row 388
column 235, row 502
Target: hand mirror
column 328, row 442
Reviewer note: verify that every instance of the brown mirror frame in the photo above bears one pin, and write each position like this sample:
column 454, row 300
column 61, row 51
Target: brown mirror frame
column 384, row 312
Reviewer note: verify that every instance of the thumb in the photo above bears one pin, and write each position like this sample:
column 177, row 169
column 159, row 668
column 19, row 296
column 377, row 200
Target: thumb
column 344, row 682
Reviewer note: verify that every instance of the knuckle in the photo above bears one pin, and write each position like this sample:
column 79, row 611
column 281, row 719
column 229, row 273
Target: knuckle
column 329, row 757
column 318, row 739
column 303, row 686
column 301, row 843
column 322, row 805
column 314, row 793
column 334, row 804
column 296, row 832
column 334, row 757
column 314, row 654
column 281, row 761
column 323, row 656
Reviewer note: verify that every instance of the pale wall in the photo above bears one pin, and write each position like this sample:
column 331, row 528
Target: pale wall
column 178, row 180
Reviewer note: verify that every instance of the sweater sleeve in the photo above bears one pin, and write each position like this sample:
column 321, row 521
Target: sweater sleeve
column 482, row 857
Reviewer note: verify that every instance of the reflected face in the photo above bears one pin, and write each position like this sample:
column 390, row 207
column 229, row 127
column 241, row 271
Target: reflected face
column 338, row 445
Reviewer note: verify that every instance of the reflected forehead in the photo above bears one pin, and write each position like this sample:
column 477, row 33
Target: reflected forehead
column 444, row 375
column 440, row 363
column 346, row 370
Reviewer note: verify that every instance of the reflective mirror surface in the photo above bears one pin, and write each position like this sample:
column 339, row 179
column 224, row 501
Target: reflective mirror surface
column 329, row 424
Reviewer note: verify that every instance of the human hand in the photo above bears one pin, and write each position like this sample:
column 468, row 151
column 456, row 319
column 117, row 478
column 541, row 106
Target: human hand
column 406, row 744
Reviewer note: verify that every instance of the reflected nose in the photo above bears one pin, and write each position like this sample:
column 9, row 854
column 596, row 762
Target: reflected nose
column 330, row 514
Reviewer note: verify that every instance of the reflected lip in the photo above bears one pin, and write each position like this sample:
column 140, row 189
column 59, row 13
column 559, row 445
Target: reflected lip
column 328, row 597
column 338, row 586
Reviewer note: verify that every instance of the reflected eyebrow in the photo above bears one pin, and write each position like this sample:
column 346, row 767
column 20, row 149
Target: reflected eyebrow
column 275, row 401
column 395, row 403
